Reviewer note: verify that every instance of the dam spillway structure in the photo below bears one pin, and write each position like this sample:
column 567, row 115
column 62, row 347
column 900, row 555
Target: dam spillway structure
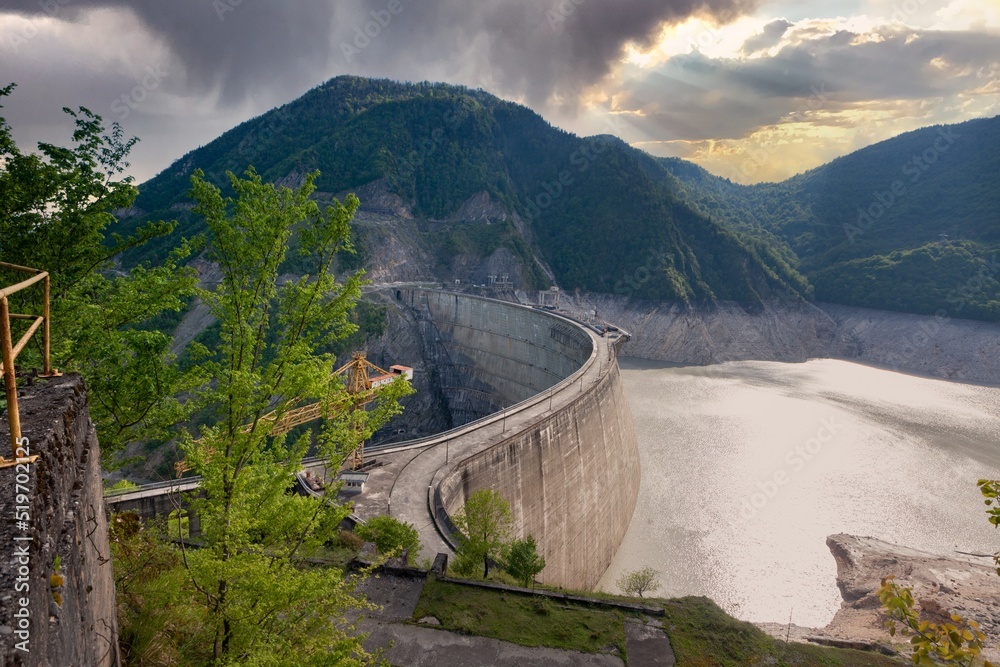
column 566, row 456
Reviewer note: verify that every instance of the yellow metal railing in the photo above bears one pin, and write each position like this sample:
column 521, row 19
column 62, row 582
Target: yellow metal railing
column 9, row 351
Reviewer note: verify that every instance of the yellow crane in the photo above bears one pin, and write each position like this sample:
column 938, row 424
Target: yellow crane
column 363, row 381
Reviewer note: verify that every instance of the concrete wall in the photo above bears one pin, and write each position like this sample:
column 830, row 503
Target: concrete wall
column 571, row 476
column 489, row 354
column 67, row 519
column 572, row 481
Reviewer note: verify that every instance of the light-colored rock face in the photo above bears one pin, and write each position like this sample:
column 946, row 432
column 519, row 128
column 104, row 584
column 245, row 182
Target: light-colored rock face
column 943, row 585
column 949, row 348
column 481, row 207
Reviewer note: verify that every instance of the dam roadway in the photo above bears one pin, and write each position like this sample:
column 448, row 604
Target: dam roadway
column 548, row 427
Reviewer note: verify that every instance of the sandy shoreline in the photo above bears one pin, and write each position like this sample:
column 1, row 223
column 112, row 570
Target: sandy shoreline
column 943, row 584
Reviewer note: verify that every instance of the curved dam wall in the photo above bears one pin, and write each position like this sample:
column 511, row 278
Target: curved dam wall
column 572, row 481
column 571, row 474
column 489, row 355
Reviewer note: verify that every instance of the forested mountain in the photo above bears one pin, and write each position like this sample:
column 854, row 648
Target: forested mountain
column 602, row 215
column 910, row 224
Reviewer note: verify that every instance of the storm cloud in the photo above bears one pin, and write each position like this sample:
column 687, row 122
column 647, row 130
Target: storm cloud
column 178, row 73
column 530, row 49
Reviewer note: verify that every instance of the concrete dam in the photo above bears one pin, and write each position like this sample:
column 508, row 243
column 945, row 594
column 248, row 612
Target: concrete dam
column 549, row 429
column 541, row 417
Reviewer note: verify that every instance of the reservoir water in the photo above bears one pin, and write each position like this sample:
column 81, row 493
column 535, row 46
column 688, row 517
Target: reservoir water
column 748, row 466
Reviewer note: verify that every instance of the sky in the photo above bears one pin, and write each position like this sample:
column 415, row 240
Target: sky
column 752, row 90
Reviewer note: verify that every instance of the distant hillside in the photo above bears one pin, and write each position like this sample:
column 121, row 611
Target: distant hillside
column 909, row 224
column 472, row 181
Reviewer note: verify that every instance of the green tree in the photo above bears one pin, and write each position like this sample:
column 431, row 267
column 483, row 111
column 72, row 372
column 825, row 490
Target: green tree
column 638, row 582
column 485, row 524
column 263, row 604
column 523, row 561
column 160, row 623
column 56, row 214
column 390, row 536
column 958, row 642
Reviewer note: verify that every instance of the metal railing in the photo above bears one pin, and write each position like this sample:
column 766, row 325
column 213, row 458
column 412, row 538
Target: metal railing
column 9, row 351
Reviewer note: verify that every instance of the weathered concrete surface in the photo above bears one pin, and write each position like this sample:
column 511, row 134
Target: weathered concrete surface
column 568, row 463
column 67, row 520
column 572, row 480
column 566, row 458
column 490, row 354
column 647, row 645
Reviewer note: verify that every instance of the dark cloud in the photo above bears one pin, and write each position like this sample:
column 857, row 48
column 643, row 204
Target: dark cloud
column 235, row 47
column 528, row 48
column 768, row 37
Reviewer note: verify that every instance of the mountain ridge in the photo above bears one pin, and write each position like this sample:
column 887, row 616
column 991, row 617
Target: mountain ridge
column 436, row 146
column 598, row 215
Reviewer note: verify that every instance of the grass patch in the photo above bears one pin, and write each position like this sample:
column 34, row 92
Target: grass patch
column 702, row 635
column 521, row 619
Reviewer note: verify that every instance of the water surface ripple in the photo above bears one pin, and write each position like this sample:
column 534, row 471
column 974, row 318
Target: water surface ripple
column 748, row 466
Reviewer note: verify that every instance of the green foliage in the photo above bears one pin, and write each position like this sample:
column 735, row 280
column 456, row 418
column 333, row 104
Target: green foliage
column 520, row 619
column 703, row 635
column 159, row 622
column 485, row 524
column 178, row 525
column 638, row 582
column 121, row 486
column 958, row 642
column 522, row 560
column 390, row 536
column 990, row 488
column 908, row 224
column 262, row 604
column 56, row 215
column 948, row 278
